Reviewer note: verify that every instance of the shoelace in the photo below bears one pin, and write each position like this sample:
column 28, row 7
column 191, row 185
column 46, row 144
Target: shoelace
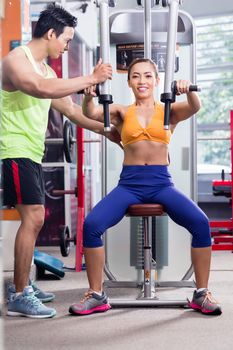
column 87, row 296
column 32, row 300
column 209, row 298
column 36, row 290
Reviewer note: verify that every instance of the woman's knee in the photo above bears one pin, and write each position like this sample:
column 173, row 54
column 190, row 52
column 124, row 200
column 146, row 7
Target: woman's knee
column 92, row 233
column 201, row 232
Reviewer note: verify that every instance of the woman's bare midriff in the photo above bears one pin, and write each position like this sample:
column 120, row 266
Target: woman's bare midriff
column 146, row 153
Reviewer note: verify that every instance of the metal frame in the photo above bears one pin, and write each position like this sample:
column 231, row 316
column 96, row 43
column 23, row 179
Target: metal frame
column 148, row 297
column 225, row 242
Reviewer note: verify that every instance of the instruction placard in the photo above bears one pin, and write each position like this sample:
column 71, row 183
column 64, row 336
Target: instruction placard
column 126, row 53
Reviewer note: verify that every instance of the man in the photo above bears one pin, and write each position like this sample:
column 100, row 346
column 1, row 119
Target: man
column 29, row 88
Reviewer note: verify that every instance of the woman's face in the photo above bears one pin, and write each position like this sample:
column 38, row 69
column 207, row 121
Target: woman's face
column 143, row 79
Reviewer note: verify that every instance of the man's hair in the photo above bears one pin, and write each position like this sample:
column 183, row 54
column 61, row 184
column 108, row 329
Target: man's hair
column 142, row 60
column 54, row 17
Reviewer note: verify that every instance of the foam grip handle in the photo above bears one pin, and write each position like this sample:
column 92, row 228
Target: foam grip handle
column 194, row 88
column 106, row 117
column 167, row 109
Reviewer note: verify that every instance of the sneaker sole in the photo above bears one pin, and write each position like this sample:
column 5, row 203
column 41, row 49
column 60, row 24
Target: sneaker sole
column 15, row 314
column 198, row 308
column 46, row 300
column 101, row 308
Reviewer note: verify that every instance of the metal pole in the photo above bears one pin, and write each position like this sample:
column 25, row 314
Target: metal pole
column 147, row 29
column 80, row 198
column 105, row 96
column 105, row 87
column 231, row 126
column 147, row 259
column 168, row 96
column 171, row 44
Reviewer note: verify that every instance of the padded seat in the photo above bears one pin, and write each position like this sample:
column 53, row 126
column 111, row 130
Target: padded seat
column 145, row 210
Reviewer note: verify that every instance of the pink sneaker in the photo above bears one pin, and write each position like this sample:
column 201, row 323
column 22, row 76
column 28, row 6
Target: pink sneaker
column 205, row 303
column 91, row 303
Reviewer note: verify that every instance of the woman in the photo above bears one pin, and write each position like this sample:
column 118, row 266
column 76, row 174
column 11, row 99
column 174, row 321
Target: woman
column 145, row 179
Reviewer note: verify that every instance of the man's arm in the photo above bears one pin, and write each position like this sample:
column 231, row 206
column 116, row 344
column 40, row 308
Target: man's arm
column 74, row 113
column 183, row 110
column 20, row 75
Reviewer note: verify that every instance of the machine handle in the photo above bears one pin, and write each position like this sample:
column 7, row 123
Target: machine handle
column 167, row 109
column 194, row 88
column 97, row 90
column 107, row 126
column 105, row 100
column 169, row 98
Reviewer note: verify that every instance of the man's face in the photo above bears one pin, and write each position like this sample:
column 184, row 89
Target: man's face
column 58, row 45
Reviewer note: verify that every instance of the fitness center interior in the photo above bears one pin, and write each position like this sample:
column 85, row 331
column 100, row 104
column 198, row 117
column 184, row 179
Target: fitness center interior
column 80, row 167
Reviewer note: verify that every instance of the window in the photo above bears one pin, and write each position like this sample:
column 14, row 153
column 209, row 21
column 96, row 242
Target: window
column 215, row 76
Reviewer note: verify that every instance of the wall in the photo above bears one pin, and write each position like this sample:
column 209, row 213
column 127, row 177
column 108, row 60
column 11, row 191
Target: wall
column 87, row 28
column 11, row 24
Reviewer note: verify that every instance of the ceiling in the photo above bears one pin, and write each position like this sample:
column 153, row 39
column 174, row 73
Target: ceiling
column 206, row 8
column 196, row 8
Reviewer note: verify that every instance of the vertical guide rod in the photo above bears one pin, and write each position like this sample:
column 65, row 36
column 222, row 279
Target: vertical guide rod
column 104, row 43
column 105, row 96
column 167, row 96
column 147, row 29
column 171, row 44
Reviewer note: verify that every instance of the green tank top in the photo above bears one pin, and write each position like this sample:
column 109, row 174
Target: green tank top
column 23, row 121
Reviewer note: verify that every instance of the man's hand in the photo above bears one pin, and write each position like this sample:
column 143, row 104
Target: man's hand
column 102, row 72
column 90, row 91
column 114, row 136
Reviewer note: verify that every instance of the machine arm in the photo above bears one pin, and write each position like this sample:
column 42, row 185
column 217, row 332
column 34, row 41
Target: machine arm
column 170, row 97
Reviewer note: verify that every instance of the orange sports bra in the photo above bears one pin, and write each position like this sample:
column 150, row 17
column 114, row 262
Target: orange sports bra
column 132, row 131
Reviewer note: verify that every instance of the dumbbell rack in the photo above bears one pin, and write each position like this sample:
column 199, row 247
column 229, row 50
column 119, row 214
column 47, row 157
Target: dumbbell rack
column 222, row 231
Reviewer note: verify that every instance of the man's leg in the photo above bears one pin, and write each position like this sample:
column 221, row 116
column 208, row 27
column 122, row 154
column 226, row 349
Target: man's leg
column 32, row 219
column 24, row 302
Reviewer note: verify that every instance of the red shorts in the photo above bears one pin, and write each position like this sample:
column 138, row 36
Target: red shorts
column 23, row 182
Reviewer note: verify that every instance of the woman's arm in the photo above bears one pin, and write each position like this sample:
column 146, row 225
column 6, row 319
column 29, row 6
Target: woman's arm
column 183, row 110
column 92, row 111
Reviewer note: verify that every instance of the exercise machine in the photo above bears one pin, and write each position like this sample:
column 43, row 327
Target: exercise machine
column 222, row 231
column 128, row 34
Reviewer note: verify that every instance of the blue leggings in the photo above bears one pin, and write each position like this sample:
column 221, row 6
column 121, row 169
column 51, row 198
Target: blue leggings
column 146, row 184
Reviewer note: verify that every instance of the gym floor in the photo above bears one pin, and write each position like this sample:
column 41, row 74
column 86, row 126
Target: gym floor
column 127, row 328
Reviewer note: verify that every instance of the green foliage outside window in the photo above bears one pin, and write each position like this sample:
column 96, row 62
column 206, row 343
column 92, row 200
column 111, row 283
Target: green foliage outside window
column 215, row 76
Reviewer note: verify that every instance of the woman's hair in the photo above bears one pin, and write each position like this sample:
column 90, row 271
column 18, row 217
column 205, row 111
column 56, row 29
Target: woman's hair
column 54, row 17
column 142, row 60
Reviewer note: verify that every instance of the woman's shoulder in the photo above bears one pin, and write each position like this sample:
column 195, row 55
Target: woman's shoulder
column 159, row 105
column 123, row 109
